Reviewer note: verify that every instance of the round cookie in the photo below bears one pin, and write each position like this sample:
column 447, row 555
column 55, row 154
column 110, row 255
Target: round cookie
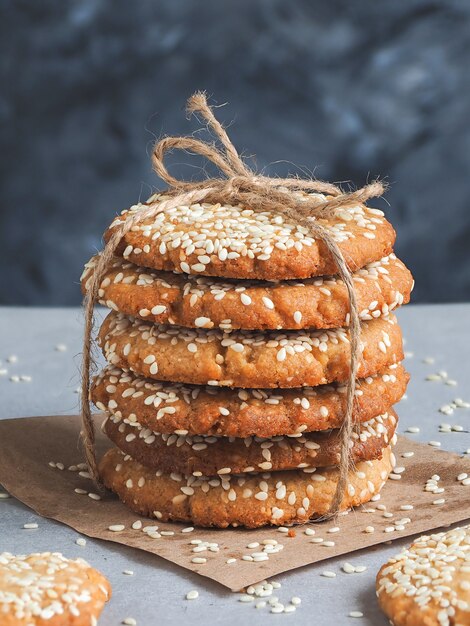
column 428, row 584
column 47, row 589
column 249, row 500
column 200, row 301
column 209, row 456
column 246, row 358
column 203, row 410
column 237, row 242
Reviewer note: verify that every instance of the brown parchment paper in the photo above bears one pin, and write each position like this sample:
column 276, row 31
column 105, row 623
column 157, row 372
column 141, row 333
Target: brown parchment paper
column 27, row 446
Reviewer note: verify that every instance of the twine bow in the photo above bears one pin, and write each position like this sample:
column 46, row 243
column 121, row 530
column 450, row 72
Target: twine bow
column 238, row 184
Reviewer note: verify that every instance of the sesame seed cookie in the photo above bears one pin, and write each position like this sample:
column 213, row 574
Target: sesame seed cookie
column 209, row 456
column 428, row 584
column 246, row 358
column 202, row 410
column 47, row 589
column 249, row 500
column 169, row 298
column 236, row 242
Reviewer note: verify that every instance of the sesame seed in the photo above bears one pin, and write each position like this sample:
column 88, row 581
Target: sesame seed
column 192, row 595
column 116, row 528
column 356, row 614
column 246, row 598
column 81, row 542
column 31, row 526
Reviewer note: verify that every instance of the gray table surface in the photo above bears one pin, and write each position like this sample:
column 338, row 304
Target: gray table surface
column 155, row 594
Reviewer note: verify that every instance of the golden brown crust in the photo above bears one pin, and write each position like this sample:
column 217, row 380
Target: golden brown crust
column 244, row 358
column 238, row 243
column 428, row 584
column 46, row 589
column 192, row 301
column 196, row 410
column 249, row 500
column 210, row 456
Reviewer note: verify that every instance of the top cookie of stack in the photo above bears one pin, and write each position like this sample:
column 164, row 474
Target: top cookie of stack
column 209, row 296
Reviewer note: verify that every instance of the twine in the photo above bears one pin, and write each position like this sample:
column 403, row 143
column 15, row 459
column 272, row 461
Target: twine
column 238, row 184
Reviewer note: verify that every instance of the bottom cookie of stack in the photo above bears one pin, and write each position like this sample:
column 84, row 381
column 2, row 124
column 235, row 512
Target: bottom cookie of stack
column 250, row 500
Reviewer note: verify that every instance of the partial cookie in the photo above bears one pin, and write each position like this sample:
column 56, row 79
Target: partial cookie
column 250, row 500
column 168, row 298
column 246, row 358
column 428, row 584
column 210, row 456
column 201, row 410
column 47, row 589
column 237, row 242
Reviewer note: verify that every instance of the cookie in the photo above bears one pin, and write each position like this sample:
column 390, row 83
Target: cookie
column 210, row 456
column 237, row 242
column 249, row 500
column 47, row 589
column 169, row 298
column 428, row 584
column 195, row 410
column 246, row 358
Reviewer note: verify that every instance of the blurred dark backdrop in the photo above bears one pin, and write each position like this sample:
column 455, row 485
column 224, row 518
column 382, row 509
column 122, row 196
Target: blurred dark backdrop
column 350, row 90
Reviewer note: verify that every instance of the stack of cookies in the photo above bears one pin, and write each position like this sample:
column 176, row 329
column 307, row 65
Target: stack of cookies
column 228, row 351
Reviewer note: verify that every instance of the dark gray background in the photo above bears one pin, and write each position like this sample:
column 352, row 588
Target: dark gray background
column 349, row 90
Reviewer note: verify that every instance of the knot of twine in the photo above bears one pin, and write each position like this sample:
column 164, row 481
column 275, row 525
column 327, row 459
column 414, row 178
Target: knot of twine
column 238, row 184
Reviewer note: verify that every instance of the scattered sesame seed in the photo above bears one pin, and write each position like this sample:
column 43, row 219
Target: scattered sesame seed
column 31, row 526
column 81, row 542
column 246, row 598
column 192, row 595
